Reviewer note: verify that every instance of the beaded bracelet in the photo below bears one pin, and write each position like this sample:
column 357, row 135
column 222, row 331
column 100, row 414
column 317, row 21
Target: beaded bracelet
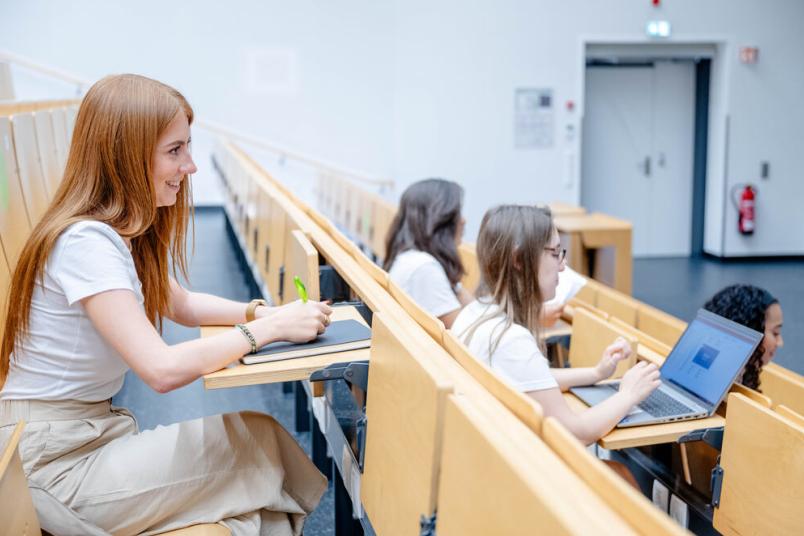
column 250, row 336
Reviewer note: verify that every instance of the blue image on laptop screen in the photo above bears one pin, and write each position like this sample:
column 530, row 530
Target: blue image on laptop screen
column 707, row 358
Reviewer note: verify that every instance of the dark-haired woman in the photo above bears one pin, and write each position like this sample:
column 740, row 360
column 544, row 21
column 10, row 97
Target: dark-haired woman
column 422, row 246
column 757, row 309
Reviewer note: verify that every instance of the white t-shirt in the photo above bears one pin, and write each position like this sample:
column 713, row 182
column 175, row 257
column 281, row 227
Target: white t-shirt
column 420, row 275
column 517, row 357
column 64, row 357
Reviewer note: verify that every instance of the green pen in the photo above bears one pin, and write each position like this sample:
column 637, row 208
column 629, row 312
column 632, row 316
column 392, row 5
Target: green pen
column 300, row 288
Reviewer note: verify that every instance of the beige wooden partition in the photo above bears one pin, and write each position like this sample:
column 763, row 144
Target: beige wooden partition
column 14, row 223
column 763, row 471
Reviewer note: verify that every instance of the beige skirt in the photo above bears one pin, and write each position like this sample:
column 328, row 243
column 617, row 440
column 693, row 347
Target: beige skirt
column 241, row 469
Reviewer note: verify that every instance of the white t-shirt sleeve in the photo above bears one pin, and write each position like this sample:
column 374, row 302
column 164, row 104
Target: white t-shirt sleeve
column 91, row 260
column 519, row 360
column 429, row 287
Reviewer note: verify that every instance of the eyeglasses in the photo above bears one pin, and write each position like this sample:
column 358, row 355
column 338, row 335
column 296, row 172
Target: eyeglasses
column 558, row 252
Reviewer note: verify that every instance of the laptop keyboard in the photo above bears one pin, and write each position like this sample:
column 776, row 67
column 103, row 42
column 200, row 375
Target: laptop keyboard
column 660, row 404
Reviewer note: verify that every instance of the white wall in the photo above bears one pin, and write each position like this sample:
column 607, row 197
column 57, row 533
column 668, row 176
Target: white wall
column 335, row 105
column 459, row 63
column 417, row 88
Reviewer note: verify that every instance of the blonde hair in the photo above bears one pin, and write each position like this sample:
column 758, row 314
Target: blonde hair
column 108, row 178
column 510, row 245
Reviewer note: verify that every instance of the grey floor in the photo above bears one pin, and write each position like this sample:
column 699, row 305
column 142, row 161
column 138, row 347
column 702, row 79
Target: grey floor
column 679, row 286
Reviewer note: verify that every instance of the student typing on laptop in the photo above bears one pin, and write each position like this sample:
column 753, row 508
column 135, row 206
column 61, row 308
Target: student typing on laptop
column 520, row 257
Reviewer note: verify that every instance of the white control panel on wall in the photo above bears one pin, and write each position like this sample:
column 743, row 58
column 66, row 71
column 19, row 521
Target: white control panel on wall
column 533, row 118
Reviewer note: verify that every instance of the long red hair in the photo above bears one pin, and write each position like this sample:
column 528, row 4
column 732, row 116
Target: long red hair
column 108, row 178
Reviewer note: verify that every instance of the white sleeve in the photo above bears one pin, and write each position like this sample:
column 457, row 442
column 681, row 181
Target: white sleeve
column 89, row 262
column 429, row 287
column 519, row 360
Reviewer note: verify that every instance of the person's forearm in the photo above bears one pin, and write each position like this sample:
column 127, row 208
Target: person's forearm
column 201, row 309
column 600, row 419
column 574, row 377
column 184, row 362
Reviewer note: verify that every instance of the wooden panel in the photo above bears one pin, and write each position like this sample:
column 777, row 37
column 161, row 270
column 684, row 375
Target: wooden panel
column 16, row 507
column 471, row 279
column 788, row 413
column 432, row 325
column 70, row 113
column 588, row 293
column 497, row 477
column 617, row 305
column 631, row 505
column 276, row 246
column 61, row 137
column 405, row 407
column 763, row 466
column 643, row 338
column 52, row 169
column 525, row 408
column 14, row 224
column 559, row 208
column 384, row 213
column 29, row 167
column 783, row 386
column 660, row 325
column 206, row 529
column 21, row 107
column 262, row 230
column 375, row 271
column 303, row 262
column 590, row 336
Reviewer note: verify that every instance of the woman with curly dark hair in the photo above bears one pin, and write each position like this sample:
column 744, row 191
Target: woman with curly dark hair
column 757, row 309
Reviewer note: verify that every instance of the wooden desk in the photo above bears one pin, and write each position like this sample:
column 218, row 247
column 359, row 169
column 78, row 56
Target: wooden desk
column 281, row 371
column 559, row 208
column 584, row 232
column 650, row 434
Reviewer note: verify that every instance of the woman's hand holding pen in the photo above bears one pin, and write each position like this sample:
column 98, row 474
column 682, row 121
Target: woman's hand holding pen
column 299, row 322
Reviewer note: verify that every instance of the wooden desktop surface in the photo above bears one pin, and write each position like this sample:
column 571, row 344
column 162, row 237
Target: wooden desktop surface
column 282, row 371
column 650, row 434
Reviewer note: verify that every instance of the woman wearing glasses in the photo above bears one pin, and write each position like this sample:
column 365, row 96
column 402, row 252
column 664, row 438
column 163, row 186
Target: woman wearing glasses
column 520, row 257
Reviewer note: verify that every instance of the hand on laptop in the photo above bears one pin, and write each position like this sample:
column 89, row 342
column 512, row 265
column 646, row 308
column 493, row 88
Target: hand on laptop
column 613, row 354
column 640, row 381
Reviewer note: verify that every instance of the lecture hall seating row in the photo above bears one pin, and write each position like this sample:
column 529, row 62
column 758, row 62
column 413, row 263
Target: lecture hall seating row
column 615, row 313
column 447, row 400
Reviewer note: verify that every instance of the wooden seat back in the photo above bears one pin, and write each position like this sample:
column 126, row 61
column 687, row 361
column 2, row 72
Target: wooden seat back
column 50, row 161
column 15, row 225
column 783, row 386
column 591, row 335
column 498, row 477
column 660, row 325
column 521, row 405
column 16, row 506
column 432, row 325
column 763, row 468
column 31, row 177
column 471, row 276
column 302, row 261
column 405, row 406
column 617, row 304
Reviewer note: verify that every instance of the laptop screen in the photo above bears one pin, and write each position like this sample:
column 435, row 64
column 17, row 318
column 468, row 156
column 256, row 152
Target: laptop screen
column 709, row 355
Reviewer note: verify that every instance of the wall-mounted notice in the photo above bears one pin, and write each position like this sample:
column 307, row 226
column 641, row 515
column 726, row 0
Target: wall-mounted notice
column 533, row 118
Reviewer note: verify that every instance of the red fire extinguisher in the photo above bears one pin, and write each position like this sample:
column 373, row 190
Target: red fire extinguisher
column 746, row 208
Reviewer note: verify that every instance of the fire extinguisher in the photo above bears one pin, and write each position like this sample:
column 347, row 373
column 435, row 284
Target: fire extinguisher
column 746, row 208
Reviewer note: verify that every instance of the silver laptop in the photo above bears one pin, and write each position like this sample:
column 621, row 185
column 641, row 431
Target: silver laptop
column 696, row 375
